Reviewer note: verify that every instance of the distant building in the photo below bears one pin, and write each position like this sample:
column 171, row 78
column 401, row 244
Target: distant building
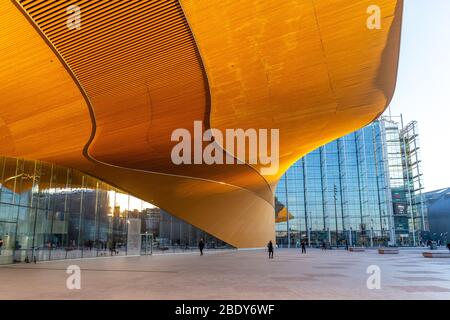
column 51, row 213
column 438, row 205
column 365, row 188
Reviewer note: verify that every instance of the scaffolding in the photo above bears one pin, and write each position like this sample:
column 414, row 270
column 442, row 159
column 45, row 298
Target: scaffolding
column 414, row 177
column 365, row 188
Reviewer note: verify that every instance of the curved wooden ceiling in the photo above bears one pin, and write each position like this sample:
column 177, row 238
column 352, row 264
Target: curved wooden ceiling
column 139, row 67
column 309, row 68
column 105, row 99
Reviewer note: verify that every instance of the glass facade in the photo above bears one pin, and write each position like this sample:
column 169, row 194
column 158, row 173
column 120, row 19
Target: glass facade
column 412, row 163
column 353, row 189
column 48, row 212
column 438, row 208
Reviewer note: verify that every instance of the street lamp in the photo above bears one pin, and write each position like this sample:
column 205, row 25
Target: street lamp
column 350, row 236
column 309, row 236
column 371, row 233
column 335, row 213
column 329, row 236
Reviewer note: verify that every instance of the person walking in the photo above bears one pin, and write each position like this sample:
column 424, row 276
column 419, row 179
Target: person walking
column 1, row 245
column 201, row 245
column 448, row 246
column 270, row 249
column 303, row 244
column 111, row 247
column 346, row 245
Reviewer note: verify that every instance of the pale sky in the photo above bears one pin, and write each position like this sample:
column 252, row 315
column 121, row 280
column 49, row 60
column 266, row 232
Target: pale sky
column 423, row 84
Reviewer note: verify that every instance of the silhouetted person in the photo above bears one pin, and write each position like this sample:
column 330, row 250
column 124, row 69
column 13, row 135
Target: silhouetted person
column 1, row 245
column 112, row 247
column 448, row 246
column 346, row 244
column 303, row 244
column 270, row 249
column 201, row 245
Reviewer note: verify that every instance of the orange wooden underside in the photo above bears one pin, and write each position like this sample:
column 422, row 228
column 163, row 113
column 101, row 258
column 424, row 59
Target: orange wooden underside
column 105, row 99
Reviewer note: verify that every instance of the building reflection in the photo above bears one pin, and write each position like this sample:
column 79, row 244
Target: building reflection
column 48, row 212
column 364, row 189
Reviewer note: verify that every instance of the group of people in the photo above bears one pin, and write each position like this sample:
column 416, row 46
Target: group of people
column 433, row 244
column 201, row 246
column 270, row 248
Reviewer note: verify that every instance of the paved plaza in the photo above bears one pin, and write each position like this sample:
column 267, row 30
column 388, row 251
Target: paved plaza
column 246, row 274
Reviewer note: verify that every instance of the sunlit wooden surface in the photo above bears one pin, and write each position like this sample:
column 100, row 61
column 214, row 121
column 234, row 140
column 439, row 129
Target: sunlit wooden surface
column 104, row 99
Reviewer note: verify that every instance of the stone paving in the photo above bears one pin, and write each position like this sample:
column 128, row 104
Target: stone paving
column 247, row 274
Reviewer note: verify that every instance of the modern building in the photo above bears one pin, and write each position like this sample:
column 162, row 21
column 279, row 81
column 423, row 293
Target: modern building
column 438, row 207
column 365, row 188
column 49, row 212
column 102, row 86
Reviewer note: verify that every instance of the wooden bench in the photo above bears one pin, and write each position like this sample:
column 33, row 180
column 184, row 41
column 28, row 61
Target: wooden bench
column 436, row 254
column 388, row 251
column 356, row 249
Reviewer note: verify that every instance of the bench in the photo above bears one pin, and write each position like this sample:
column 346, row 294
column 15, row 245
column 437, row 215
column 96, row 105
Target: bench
column 388, row 251
column 436, row 254
column 356, row 249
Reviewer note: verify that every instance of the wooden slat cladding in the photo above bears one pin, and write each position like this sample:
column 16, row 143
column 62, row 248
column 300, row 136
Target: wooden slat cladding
column 138, row 64
column 310, row 68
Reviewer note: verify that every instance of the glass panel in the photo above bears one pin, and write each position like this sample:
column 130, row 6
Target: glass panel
column 48, row 212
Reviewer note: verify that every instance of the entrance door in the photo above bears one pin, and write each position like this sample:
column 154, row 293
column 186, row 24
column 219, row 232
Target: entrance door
column 7, row 232
column 146, row 244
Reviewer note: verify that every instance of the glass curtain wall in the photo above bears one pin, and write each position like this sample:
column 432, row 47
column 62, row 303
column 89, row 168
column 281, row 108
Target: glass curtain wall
column 413, row 175
column 351, row 190
column 48, row 212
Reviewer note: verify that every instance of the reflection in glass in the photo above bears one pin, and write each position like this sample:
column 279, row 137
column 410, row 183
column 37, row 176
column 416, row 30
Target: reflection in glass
column 48, row 212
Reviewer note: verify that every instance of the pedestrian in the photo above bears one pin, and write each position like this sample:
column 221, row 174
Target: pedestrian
column 303, row 244
column 448, row 246
column 111, row 247
column 346, row 245
column 270, row 249
column 1, row 245
column 324, row 246
column 201, row 245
